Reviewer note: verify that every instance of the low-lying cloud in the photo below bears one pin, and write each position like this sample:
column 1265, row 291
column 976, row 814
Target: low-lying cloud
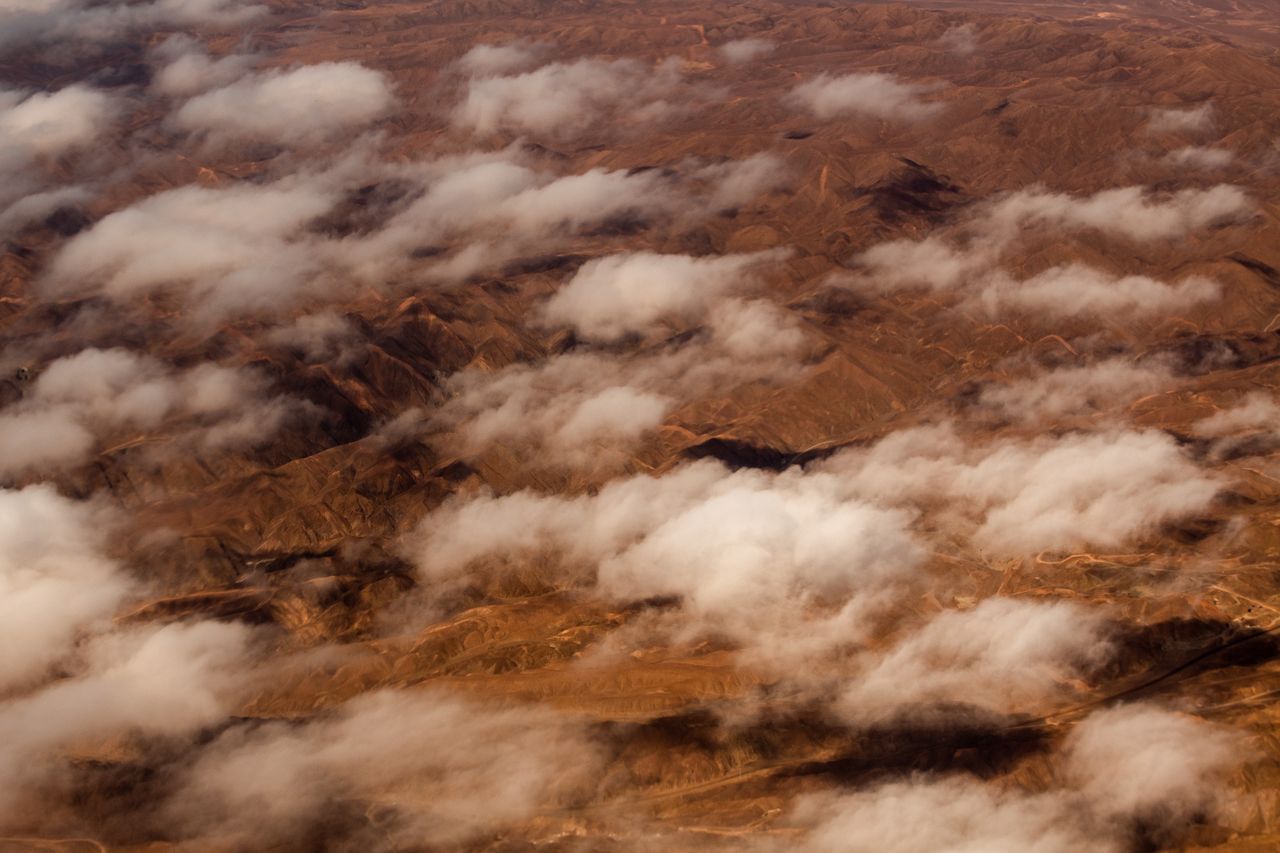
column 188, row 70
column 870, row 94
column 36, row 130
column 55, row 580
column 442, row 770
column 1127, row 770
column 1005, row 655
column 95, row 393
column 588, row 408
column 1181, row 119
column 611, row 297
column 493, row 60
column 740, row 51
column 300, row 106
column 1078, row 290
column 255, row 248
column 57, row 25
column 564, row 99
column 1071, row 390
column 1043, row 494
column 968, row 263
column 755, row 556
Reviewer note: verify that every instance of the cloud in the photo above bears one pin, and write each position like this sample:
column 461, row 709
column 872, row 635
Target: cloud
column 1047, row 493
column 1143, row 763
column 323, row 336
column 1076, row 290
column 79, row 398
column 55, row 580
column 1198, row 157
column 611, row 297
column 71, row 678
column 1132, row 212
column 493, row 60
column 953, row 813
column 586, row 409
column 166, row 681
column 300, row 106
column 501, row 208
column 188, row 70
column 569, row 408
column 1005, row 655
column 787, row 564
column 238, row 248
column 932, row 263
column 52, row 24
column 741, row 51
column 961, row 39
column 567, row 98
column 261, row 248
column 36, row 132
column 1256, row 411
column 1181, row 119
column 48, row 124
column 441, row 770
column 38, row 205
column 1062, row 392
column 870, row 94
column 969, row 264
column 757, row 331
column 1127, row 770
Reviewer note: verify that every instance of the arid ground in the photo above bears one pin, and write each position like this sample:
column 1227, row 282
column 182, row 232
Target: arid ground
column 615, row 425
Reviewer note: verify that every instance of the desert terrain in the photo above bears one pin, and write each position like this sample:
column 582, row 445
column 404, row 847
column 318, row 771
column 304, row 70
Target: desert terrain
column 606, row 425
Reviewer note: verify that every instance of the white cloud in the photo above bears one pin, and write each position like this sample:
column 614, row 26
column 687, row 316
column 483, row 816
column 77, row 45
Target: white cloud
column 1258, row 410
column 188, row 70
column 1081, row 389
column 50, row 123
column 322, row 336
column 38, row 204
column 611, row 297
column 80, row 398
column 447, row 769
column 961, row 39
column 57, row 24
column 1047, row 493
column 166, row 681
column 871, row 94
column 55, row 580
column 586, row 409
column 757, row 331
column 1199, row 157
column 492, row 60
column 1181, row 119
column 236, row 248
column 953, row 814
column 1129, row 769
column 1132, row 212
column 745, row 50
column 36, row 131
column 504, row 208
column 1077, row 290
column 969, row 264
column 1005, row 655
column 931, row 262
column 300, row 106
column 787, row 564
column 1149, row 764
column 566, row 98
column 247, row 248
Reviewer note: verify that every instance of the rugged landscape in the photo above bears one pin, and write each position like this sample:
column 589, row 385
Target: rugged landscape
column 612, row 425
